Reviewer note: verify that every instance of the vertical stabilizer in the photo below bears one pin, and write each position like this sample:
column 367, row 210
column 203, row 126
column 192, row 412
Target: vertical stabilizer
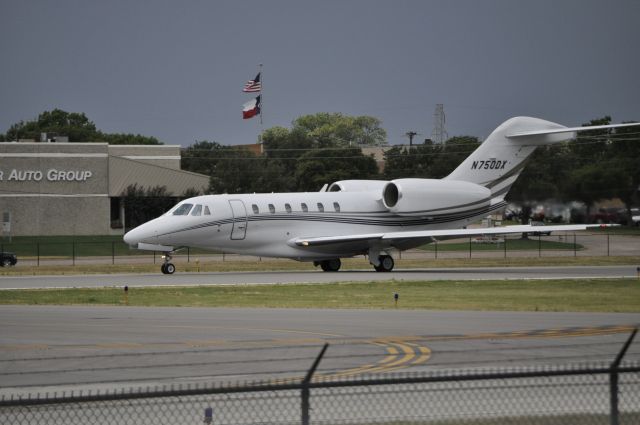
column 499, row 160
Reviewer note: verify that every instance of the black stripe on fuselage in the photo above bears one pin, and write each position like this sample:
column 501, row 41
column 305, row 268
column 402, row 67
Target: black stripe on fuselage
column 392, row 220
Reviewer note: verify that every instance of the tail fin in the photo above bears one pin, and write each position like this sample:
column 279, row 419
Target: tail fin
column 500, row 159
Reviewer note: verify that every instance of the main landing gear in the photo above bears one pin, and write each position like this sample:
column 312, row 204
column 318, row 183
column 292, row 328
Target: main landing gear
column 386, row 263
column 332, row 265
column 167, row 267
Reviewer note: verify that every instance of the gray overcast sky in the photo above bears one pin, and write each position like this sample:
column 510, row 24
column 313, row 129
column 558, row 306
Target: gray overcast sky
column 175, row 70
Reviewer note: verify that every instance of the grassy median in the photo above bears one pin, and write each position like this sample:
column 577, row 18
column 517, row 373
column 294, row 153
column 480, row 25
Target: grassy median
column 592, row 295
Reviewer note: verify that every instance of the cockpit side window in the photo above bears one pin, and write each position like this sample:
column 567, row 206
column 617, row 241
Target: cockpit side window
column 197, row 210
column 183, row 209
column 206, row 210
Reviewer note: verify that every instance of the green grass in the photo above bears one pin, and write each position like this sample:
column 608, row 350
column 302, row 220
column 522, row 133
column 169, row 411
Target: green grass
column 590, row 295
column 234, row 265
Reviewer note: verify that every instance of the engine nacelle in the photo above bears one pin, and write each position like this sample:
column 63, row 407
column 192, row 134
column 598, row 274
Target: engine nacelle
column 428, row 196
column 357, row 186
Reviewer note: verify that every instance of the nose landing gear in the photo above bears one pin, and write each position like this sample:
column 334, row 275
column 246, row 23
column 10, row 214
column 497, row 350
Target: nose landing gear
column 167, row 267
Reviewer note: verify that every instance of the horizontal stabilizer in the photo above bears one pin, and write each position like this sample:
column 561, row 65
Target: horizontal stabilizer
column 567, row 130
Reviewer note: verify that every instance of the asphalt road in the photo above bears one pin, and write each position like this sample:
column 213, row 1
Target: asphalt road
column 55, row 348
column 235, row 278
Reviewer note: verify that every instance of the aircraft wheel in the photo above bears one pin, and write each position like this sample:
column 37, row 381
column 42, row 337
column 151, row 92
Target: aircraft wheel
column 386, row 264
column 169, row 268
column 331, row 265
column 163, row 268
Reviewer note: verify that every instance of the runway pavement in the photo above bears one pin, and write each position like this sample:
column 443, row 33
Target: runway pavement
column 237, row 278
column 54, row 348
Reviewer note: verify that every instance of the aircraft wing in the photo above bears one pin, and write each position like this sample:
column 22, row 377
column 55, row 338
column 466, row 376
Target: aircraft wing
column 390, row 237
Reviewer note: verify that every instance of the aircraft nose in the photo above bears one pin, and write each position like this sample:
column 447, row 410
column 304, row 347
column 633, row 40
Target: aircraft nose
column 131, row 237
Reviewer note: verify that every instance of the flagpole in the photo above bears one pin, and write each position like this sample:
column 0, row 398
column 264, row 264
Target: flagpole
column 261, row 95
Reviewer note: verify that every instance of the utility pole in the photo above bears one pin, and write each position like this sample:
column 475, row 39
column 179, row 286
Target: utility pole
column 410, row 135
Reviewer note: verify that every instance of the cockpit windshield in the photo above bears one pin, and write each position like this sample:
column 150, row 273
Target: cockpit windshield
column 183, row 209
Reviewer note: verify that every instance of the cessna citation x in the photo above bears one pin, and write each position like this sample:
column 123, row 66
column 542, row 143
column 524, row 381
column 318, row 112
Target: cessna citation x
column 360, row 217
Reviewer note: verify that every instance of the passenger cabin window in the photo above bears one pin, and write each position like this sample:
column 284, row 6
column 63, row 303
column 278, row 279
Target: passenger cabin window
column 336, row 206
column 304, row 207
column 206, row 210
column 197, row 210
column 183, row 209
column 255, row 208
column 320, row 207
column 272, row 209
column 287, row 207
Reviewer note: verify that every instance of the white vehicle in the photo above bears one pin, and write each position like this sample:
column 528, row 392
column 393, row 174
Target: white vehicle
column 360, row 217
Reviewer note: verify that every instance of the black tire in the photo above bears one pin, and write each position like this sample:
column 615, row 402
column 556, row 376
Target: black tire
column 386, row 264
column 170, row 268
column 331, row 265
column 6, row 262
column 163, row 268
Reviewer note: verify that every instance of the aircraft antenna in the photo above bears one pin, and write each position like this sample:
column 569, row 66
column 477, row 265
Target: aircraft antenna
column 439, row 134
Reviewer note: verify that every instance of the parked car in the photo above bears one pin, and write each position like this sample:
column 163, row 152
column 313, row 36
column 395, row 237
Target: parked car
column 635, row 216
column 8, row 259
column 538, row 233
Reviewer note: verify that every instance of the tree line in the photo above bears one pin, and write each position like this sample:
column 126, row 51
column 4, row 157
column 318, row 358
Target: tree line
column 325, row 147
column 322, row 148
column 76, row 126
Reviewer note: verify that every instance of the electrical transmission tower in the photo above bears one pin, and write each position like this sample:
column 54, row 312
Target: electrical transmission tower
column 439, row 134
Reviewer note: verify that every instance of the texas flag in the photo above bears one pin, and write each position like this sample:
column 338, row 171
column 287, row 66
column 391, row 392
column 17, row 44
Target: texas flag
column 251, row 108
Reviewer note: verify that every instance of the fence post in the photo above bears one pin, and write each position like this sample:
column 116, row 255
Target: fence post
column 469, row 246
column 38, row 253
column 436, row 249
column 505, row 246
column 113, row 252
column 613, row 379
column 188, row 255
column 539, row 245
column 305, row 385
column 575, row 247
column 608, row 245
column 73, row 253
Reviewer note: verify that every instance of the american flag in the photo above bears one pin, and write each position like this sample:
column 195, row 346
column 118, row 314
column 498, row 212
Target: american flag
column 253, row 86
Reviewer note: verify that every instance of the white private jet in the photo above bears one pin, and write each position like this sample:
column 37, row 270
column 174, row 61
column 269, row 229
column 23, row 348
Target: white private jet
column 360, row 217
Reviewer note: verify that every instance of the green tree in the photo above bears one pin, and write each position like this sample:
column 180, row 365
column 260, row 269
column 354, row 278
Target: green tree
column 76, row 126
column 337, row 130
column 323, row 166
column 127, row 139
column 594, row 182
column 429, row 160
column 326, row 144
column 72, row 124
column 144, row 204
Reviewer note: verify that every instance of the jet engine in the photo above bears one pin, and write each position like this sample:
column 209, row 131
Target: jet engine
column 429, row 196
column 357, row 186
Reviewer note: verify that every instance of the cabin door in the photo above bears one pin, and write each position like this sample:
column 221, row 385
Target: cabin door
column 239, row 230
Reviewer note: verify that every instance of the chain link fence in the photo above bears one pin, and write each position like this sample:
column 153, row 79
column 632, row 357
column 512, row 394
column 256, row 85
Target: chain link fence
column 552, row 396
column 117, row 252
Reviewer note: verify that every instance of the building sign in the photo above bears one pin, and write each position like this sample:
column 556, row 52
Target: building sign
column 52, row 175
